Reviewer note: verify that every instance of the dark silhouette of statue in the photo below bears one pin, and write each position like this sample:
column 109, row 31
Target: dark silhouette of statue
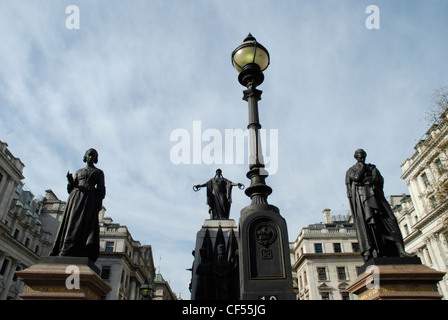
column 377, row 228
column 221, row 273
column 234, row 274
column 204, row 285
column 218, row 269
column 219, row 195
column 78, row 234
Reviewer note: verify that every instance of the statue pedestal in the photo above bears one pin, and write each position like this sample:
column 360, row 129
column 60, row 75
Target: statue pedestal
column 57, row 278
column 210, row 232
column 396, row 279
column 265, row 267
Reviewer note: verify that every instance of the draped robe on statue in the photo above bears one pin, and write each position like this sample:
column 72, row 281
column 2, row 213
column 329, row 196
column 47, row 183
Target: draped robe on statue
column 376, row 226
column 78, row 234
column 219, row 197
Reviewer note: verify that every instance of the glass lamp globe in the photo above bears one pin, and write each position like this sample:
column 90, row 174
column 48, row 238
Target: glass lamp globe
column 250, row 52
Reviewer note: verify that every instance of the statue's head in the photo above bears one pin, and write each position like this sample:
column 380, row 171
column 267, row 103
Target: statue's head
column 218, row 173
column 220, row 250
column 93, row 152
column 360, row 154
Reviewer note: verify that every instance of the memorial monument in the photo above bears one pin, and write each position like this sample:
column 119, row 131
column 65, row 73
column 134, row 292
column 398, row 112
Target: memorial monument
column 76, row 246
column 389, row 271
column 215, row 273
column 377, row 228
column 78, row 234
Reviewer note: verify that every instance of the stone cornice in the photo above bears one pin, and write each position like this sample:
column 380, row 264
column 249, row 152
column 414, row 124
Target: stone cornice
column 430, row 217
column 11, row 165
column 419, row 157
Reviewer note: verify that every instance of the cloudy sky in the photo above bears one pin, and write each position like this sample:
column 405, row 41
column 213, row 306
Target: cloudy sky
column 136, row 73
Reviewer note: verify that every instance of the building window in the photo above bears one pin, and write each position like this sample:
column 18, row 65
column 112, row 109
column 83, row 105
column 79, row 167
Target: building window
column 318, row 248
column 105, row 272
column 345, row 295
column 16, row 234
column 440, row 166
column 325, row 295
column 425, row 179
column 321, row 274
column 406, row 230
column 355, row 247
column 109, row 246
column 434, row 202
column 36, row 250
column 4, row 267
column 341, row 273
column 337, row 247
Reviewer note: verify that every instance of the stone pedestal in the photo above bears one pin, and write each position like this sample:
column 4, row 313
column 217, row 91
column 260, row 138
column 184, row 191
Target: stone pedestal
column 265, row 267
column 63, row 278
column 215, row 229
column 397, row 279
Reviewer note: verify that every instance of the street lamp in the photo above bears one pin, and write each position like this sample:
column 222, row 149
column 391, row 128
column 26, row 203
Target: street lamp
column 146, row 290
column 250, row 59
column 264, row 262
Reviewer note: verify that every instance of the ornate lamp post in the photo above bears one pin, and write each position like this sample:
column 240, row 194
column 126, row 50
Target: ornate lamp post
column 265, row 267
column 250, row 59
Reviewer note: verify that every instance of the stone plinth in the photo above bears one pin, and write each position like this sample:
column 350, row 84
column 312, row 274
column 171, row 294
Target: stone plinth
column 213, row 229
column 265, row 267
column 405, row 280
column 63, row 278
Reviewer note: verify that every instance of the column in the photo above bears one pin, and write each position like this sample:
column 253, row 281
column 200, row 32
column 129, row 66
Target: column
column 9, row 273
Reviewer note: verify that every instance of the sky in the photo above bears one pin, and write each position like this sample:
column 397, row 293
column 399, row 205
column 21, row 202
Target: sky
column 143, row 82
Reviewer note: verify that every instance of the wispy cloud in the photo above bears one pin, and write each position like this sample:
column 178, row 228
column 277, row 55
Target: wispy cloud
column 136, row 71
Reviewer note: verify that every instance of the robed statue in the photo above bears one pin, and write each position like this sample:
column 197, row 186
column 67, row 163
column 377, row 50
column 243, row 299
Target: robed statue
column 219, row 195
column 376, row 225
column 78, row 234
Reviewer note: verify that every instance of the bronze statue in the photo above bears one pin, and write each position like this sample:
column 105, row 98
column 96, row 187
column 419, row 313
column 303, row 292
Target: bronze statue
column 78, row 234
column 219, row 195
column 377, row 228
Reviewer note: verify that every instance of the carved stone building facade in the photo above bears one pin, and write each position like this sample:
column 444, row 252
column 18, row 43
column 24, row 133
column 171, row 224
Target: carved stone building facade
column 125, row 264
column 23, row 236
column 325, row 258
column 423, row 214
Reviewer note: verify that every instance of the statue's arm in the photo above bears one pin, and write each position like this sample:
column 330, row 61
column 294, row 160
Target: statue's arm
column 101, row 186
column 72, row 182
column 239, row 185
column 198, row 187
column 348, row 183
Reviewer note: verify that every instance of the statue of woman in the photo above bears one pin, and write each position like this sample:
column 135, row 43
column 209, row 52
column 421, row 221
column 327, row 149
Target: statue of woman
column 78, row 234
column 219, row 195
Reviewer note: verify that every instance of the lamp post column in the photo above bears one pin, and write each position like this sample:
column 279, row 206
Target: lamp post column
column 258, row 191
column 264, row 262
